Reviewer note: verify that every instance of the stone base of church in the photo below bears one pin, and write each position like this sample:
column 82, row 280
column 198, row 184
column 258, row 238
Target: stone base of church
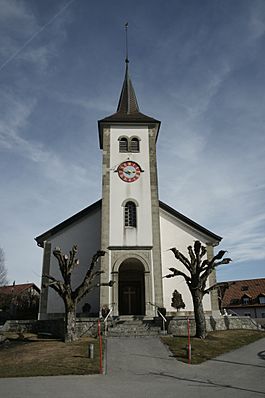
column 129, row 325
column 178, row 325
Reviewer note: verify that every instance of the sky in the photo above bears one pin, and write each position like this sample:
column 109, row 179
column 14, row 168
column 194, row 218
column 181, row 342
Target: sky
column 198, row 66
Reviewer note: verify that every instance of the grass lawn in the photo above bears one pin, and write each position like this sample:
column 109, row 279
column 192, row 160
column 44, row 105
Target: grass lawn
column 215, row 344
column 41, row 357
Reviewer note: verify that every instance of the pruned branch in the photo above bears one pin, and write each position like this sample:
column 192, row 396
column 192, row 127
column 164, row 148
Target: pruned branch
column 58, row 286
column 212, row 265
column 90, row 276
column 179, row 256
column 176, row 272
column 193, row 259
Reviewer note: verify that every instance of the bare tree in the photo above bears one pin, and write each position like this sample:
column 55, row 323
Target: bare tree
column 198, row 271
column 71, row 297
column 3, row 270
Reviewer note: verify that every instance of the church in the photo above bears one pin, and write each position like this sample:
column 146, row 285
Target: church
column 130, row 224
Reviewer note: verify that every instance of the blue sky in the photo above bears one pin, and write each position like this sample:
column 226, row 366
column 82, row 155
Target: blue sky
column 198, row 66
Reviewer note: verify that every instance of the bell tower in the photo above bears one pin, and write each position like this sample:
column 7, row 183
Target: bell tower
column 130, row 229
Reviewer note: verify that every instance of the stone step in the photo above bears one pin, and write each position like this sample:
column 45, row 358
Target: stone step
column 129, row 326
column 136, row 333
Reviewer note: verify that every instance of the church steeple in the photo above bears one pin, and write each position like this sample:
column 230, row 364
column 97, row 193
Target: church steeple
column 127, row 110
column 128, row 101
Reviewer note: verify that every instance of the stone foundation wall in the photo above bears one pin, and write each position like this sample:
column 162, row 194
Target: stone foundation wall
column 178, row 326
column 89, row 326
column 85, row 327
column 26, row 326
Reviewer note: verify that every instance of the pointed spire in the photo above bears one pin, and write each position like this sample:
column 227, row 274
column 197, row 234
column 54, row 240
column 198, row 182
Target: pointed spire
column 128, row 102
column 128, row 109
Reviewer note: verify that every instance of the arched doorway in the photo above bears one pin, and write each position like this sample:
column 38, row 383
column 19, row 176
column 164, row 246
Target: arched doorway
column 131, row 288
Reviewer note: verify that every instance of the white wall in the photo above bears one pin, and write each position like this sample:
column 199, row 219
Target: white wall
column 175, row 233
column 258, row 312
column 86, row 234
column 138, row 190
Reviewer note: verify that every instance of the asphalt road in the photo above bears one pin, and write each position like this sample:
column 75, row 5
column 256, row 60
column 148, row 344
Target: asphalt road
column 139, row 367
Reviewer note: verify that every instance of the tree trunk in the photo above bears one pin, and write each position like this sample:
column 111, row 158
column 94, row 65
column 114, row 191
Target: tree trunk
column 70, row 323
column 199, row 314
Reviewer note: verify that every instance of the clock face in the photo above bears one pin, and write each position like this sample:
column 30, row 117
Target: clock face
column 129, row 171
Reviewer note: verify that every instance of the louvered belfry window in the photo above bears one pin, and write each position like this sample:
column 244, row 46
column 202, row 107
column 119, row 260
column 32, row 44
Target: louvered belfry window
column 130, row 214
column 134, row 145
column 123, row 144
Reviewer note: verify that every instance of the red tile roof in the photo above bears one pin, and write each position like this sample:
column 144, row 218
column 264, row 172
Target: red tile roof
column 251, row 288
column 17, row 289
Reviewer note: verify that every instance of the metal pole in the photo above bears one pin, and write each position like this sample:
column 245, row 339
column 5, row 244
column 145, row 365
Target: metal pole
column 189, row 343
column 100, row 347
column 91, row 351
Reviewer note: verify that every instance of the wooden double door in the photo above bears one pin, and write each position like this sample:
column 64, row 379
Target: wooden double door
column 130, row 298
column 131, row 290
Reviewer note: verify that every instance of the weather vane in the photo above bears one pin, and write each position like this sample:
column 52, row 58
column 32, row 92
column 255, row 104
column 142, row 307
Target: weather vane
column 126, row 41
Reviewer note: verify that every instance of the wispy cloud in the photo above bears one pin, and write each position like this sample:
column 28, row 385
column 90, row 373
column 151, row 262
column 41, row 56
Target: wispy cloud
column 15, row 42
column 100, row 104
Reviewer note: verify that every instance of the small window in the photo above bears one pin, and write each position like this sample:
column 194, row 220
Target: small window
column 245, row 300
column 130, row 214
column 263, row 315
column 134, row 145
column 262, row 299
column 123, row 144
column 234, row 301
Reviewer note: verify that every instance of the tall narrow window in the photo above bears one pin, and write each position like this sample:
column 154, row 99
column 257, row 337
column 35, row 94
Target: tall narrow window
column 130, row 214
column 134, row 145
column 123, row 144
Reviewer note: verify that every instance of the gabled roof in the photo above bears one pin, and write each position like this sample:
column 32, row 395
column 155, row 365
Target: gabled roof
column 127, row 110
column 18, row 289
column 189, row 222
column 97, row 206
column 251, row 288
column 68, row 222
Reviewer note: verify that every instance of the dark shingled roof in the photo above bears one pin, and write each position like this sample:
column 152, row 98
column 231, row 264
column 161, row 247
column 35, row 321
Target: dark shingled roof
column 127, row 110
column 68, row 222
column 188, row 221
column 97, row 206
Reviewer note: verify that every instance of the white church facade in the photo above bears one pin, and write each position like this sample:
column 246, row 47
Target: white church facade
column 129, row 223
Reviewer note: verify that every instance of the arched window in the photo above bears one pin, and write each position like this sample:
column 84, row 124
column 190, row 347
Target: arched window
column 134, row 145
column 130, row 214
column 123, row 144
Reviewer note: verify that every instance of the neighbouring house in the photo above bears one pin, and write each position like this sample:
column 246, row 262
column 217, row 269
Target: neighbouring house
column 243, row 298
column 19, row 301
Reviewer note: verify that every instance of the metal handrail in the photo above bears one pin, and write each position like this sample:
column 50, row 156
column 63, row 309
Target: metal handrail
column 106, row 320
column 110, row 311
column 162, row 316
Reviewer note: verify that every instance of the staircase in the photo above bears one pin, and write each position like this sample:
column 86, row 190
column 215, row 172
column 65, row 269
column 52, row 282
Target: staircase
column 129, row 326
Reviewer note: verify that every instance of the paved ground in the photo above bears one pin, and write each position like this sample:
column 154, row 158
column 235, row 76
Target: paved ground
column 137, row 369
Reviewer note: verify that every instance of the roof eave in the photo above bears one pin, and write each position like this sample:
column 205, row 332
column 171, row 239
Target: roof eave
column 103, row 123
column 190, row 222
column 76, row 217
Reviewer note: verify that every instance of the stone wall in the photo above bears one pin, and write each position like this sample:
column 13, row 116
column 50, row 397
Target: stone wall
column 55, row 327
column 178, row 326
column 25, row 326
column 89, row 326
